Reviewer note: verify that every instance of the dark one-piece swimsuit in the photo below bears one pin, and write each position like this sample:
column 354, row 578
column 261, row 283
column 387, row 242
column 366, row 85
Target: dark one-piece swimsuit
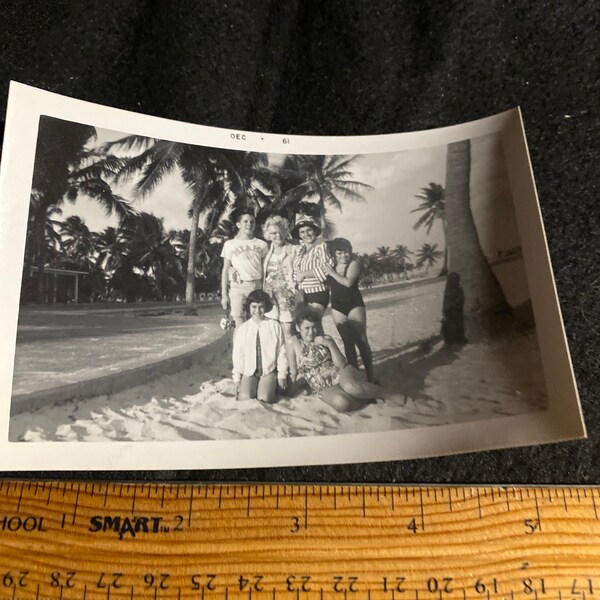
column 345, row 299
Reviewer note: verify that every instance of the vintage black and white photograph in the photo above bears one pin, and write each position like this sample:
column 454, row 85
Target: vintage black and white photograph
column 178, row 292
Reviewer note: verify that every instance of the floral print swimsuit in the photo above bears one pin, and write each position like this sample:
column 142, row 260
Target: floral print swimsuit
column 277, row 285
column 316, row 367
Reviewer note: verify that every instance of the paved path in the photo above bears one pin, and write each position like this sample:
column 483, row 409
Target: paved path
column 61, row 348
column 63, row 345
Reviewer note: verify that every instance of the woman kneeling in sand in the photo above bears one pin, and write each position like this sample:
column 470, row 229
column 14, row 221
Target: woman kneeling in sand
column 317, row 359
column 259, row 355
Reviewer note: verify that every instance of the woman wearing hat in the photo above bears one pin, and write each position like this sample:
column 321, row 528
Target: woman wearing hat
column 309, row 262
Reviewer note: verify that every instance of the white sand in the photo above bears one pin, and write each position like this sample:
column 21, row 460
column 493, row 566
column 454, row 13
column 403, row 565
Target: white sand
column 424, row 384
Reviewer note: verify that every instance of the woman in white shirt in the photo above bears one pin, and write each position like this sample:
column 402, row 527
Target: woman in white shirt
column 259, row 352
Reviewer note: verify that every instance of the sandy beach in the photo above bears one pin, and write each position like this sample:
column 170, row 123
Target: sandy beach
column 423, row 383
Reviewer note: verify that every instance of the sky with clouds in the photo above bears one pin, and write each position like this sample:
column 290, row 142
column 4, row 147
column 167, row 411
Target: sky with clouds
column 384, row 219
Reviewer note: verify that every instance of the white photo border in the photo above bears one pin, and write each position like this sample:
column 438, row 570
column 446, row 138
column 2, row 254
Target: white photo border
column 561, row 421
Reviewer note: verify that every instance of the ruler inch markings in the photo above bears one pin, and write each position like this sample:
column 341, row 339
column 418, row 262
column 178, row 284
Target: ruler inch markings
column 82, row 498
column 306, row 507
column 20, row 498
column 537, row 509
column 76, row 504
column 191, row 503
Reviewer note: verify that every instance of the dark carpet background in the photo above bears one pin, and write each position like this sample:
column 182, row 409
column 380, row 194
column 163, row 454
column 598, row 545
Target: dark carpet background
column 355, row 67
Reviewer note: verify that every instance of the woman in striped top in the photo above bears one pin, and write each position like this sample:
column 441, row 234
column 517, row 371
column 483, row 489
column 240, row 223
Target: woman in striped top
column 308, row 263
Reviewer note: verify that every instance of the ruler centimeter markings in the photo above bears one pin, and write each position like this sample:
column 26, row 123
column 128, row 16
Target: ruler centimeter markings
column 106, row 541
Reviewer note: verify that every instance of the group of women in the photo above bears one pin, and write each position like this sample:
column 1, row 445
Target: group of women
column 294, row 283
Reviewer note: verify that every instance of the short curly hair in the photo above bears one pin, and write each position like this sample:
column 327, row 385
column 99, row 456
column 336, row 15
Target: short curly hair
column 308, row 314
column 277, row 221
column 340, row 245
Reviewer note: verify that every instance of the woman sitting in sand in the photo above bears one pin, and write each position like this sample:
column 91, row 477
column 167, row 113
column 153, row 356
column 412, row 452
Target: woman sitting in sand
column 318, row 361
column 259, row 353
column 347, row 305
column 278, row 268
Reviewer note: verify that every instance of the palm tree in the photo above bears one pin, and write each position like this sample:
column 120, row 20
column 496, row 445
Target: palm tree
column 428, row 255
column 148, row 248
column 370, row 269
column 51, row 232
column 77, row 242
column 110, row 246
column 384, row 258
column 433, row 208
column 60, row 171
column 208, row 252
column 483, row 293
column 215, row 179
column 401, row 253
column 328, row 180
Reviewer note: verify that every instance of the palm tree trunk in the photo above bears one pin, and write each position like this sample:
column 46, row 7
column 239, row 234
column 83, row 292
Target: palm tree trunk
column 40, row 234
column 483, row 294
column 322, row 211
column 444, row 270
column 190, row 277
column 27, row 291
column 158, row 271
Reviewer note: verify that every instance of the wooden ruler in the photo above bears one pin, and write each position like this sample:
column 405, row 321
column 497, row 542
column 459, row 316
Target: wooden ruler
column 91, row 541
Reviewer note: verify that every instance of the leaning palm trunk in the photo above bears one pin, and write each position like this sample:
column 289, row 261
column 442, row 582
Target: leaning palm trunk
column 444, row 270
column 190, row 278
column 483, row 294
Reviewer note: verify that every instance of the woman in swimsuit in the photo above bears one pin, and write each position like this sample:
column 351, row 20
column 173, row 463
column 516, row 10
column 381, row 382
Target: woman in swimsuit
column 347, row 306
column 318, row 361
column 278, row 269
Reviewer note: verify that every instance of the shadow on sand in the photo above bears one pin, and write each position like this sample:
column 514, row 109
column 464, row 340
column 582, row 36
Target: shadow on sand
column 403, row 369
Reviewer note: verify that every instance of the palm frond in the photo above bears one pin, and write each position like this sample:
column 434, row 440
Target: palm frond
column 109, row 167
column 164, row 161
column 99, row 190
column 128, row 143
